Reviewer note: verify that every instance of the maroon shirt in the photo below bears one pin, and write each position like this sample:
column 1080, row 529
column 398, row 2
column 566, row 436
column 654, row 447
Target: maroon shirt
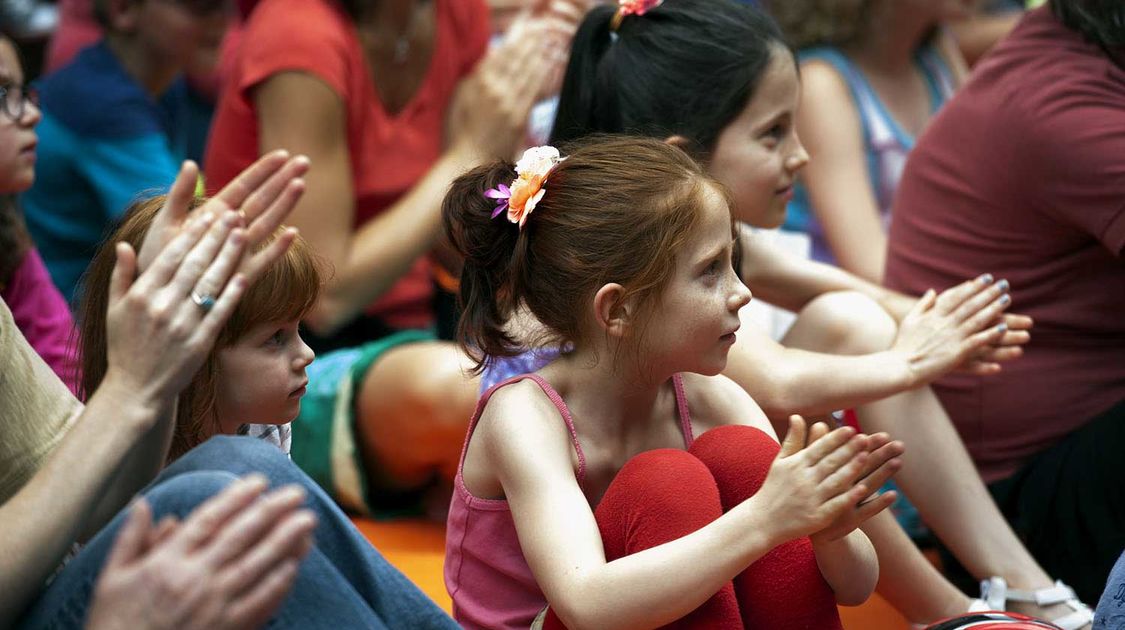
column 1022, row 175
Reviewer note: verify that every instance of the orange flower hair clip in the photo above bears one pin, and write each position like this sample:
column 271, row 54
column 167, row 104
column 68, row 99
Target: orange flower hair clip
column 527, row 190
column 631, row 7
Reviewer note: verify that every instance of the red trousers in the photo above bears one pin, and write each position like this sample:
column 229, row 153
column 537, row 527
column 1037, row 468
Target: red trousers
column 662, row 495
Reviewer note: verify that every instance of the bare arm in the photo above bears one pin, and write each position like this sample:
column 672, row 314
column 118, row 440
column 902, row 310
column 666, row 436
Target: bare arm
column 533, row 465
column 836, row 177
column 791, row 282
column 957, row 330
column 165, row 339
column 299, row 112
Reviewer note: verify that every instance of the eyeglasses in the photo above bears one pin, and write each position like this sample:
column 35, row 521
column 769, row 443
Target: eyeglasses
column 14, row 98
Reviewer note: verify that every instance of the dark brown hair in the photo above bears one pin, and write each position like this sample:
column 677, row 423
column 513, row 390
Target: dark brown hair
column 14, row 239
column 618, row 209
column 286, row 291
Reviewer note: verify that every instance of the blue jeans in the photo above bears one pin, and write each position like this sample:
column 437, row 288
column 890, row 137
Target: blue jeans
column 343, row 582
column 1110, row 614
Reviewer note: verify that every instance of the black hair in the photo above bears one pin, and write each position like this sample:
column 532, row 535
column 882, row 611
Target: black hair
column 686, row 67
column 1101, row 22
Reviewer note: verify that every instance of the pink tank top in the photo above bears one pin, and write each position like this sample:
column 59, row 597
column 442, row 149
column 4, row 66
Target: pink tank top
column 485, row 571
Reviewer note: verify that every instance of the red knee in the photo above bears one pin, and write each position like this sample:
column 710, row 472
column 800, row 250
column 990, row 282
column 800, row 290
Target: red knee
column 739, row 457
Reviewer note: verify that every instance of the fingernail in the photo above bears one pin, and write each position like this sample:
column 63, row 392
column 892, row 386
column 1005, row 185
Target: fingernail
column 1003, row 285
column 986, row 279
column 1002, row 327
column 1004, row 299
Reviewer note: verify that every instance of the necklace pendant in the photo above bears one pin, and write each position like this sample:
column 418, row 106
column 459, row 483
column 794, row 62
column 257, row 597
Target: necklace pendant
column 402, row 51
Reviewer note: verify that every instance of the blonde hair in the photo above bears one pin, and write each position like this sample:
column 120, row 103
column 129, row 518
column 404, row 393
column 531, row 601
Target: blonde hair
column 286, row 291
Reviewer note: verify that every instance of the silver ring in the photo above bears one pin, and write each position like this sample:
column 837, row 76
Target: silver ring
column 205, row 302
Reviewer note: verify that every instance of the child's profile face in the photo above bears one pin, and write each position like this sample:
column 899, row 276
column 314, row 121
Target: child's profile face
column 17, row 135
column 693, row 322
column 758, row 155
column 261, row 378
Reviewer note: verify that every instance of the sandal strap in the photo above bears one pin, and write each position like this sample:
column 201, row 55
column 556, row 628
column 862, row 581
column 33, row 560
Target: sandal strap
column 1048, row 596
column 996, row 593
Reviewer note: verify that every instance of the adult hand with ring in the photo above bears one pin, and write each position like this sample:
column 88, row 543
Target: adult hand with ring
column 157, row 332
column 263, row 196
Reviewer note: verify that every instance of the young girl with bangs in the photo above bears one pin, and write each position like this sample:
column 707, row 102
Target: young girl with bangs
column 729, row 94
column 253, row 380
column 627, row 484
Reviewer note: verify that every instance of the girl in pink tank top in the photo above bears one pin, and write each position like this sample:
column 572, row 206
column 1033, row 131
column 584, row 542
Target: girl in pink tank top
column 584, row 497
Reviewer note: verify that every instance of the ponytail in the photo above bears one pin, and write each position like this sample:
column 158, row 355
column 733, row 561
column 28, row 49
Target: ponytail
column 576, row 115
column 488, row 247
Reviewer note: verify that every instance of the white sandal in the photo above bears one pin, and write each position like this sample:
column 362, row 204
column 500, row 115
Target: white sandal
column 995, row 592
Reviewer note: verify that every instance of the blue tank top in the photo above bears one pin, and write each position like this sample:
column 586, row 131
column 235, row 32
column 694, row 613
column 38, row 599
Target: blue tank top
column 886, row 144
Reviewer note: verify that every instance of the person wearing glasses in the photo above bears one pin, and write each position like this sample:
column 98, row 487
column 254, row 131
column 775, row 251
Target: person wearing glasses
column 38, row 309
column 106, row 135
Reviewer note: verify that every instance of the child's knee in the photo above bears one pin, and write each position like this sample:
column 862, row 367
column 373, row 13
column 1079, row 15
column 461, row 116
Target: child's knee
column 738, row 458
column 848, row 322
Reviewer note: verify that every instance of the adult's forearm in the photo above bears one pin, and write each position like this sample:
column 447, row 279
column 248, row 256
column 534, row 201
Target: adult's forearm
column 385, row 248
column 46, row 517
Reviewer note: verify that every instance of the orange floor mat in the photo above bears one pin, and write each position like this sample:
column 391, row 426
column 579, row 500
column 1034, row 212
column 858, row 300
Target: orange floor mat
column 417, row 549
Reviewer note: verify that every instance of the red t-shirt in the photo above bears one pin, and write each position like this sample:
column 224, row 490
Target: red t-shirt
column 1023, row 175
column 389, row 153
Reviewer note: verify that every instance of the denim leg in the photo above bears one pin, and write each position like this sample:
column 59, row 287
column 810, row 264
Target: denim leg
column 388, row 592
column 345, row 582
column 1111, row 609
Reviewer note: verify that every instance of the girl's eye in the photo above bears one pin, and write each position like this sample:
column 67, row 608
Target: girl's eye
column 277, row 339
column 712, row 268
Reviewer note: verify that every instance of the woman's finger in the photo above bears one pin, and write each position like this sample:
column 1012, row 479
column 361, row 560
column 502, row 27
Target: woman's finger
column 130, row 543
column 271, row 203
column 168, row 261
column 979, row 302
column 124, row 270
column 952, row 298
column 203, row 255
column 208, row 518
column 222, row 266
column 247, row 528
column 234, row 194
column 252, row 266
column 285, row 541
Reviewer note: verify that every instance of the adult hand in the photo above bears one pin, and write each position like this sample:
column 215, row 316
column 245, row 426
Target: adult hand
column 157, row 336
column 264, row 194
column 489, row 114
column 883, row 462
column 963, row 328
column 230, row 564
column 813, row 484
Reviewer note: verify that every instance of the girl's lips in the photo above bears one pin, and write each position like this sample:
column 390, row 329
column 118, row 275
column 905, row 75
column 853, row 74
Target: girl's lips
column 785, row 193
column 300, row 391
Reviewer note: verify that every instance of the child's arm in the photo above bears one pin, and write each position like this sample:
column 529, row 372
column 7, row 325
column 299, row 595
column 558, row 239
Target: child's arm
column 849, row 565
column 531, row 452
column 844, row 554
column 790, row 380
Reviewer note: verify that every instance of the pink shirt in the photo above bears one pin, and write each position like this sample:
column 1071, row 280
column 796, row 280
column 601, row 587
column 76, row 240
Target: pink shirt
column 42, row 315
column 485, row 571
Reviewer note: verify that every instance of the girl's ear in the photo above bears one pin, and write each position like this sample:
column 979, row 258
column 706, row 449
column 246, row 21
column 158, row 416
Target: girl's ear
column 612, row 314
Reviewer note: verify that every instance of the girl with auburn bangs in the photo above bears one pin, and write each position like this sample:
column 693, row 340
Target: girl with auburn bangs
column 627, row 484
column 729, row 93
column 253, row 380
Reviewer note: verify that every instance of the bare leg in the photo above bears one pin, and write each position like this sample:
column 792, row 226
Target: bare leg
column 413, row 411
column 937, row 475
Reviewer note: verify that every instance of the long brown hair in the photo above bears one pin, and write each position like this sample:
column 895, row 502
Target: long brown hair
column 618, row 209
column 14, row 239
column 287, row 290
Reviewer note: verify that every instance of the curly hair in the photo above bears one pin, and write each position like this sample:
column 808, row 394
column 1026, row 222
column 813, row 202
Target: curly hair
column 808, row 23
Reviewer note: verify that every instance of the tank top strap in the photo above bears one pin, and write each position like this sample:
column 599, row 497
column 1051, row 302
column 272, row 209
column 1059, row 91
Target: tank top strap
column 682, row 410
column 876, row 122
column 554, row 397
column 939, row 77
